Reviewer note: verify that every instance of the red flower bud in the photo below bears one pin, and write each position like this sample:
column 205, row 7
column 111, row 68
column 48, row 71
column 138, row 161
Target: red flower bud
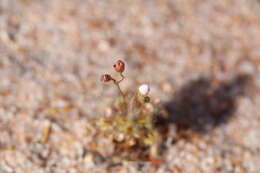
column 105, row 78
column 119, row 66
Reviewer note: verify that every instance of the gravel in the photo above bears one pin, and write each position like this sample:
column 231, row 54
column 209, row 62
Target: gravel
column 201, row 59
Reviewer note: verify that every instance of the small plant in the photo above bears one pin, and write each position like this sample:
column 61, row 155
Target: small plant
column 131, row 125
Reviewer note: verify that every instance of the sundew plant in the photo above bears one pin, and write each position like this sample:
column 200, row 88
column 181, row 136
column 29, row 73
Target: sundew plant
column 131, row 126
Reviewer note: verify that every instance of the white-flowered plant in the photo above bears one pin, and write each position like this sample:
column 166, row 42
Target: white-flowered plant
column 131, row 125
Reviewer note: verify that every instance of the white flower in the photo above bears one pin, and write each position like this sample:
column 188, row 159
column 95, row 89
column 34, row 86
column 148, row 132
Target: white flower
column 144, row 89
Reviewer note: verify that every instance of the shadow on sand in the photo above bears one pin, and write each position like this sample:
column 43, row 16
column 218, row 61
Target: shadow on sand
column 203, row 104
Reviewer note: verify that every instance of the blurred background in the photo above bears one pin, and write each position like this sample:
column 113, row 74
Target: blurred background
column 201, row 58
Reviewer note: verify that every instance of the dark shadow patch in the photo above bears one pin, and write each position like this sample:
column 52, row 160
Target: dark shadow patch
column 203, row 104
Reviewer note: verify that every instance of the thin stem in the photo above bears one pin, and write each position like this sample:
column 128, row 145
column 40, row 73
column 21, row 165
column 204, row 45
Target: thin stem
column 118, row 87
column 121, row 92
column 132, row 102
column 123, row 77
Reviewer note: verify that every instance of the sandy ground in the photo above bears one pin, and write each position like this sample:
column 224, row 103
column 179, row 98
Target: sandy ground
column 201, row 58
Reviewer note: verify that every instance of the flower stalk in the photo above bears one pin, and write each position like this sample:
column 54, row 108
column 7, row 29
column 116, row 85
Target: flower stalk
column 118, row 86
column 119, row 67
